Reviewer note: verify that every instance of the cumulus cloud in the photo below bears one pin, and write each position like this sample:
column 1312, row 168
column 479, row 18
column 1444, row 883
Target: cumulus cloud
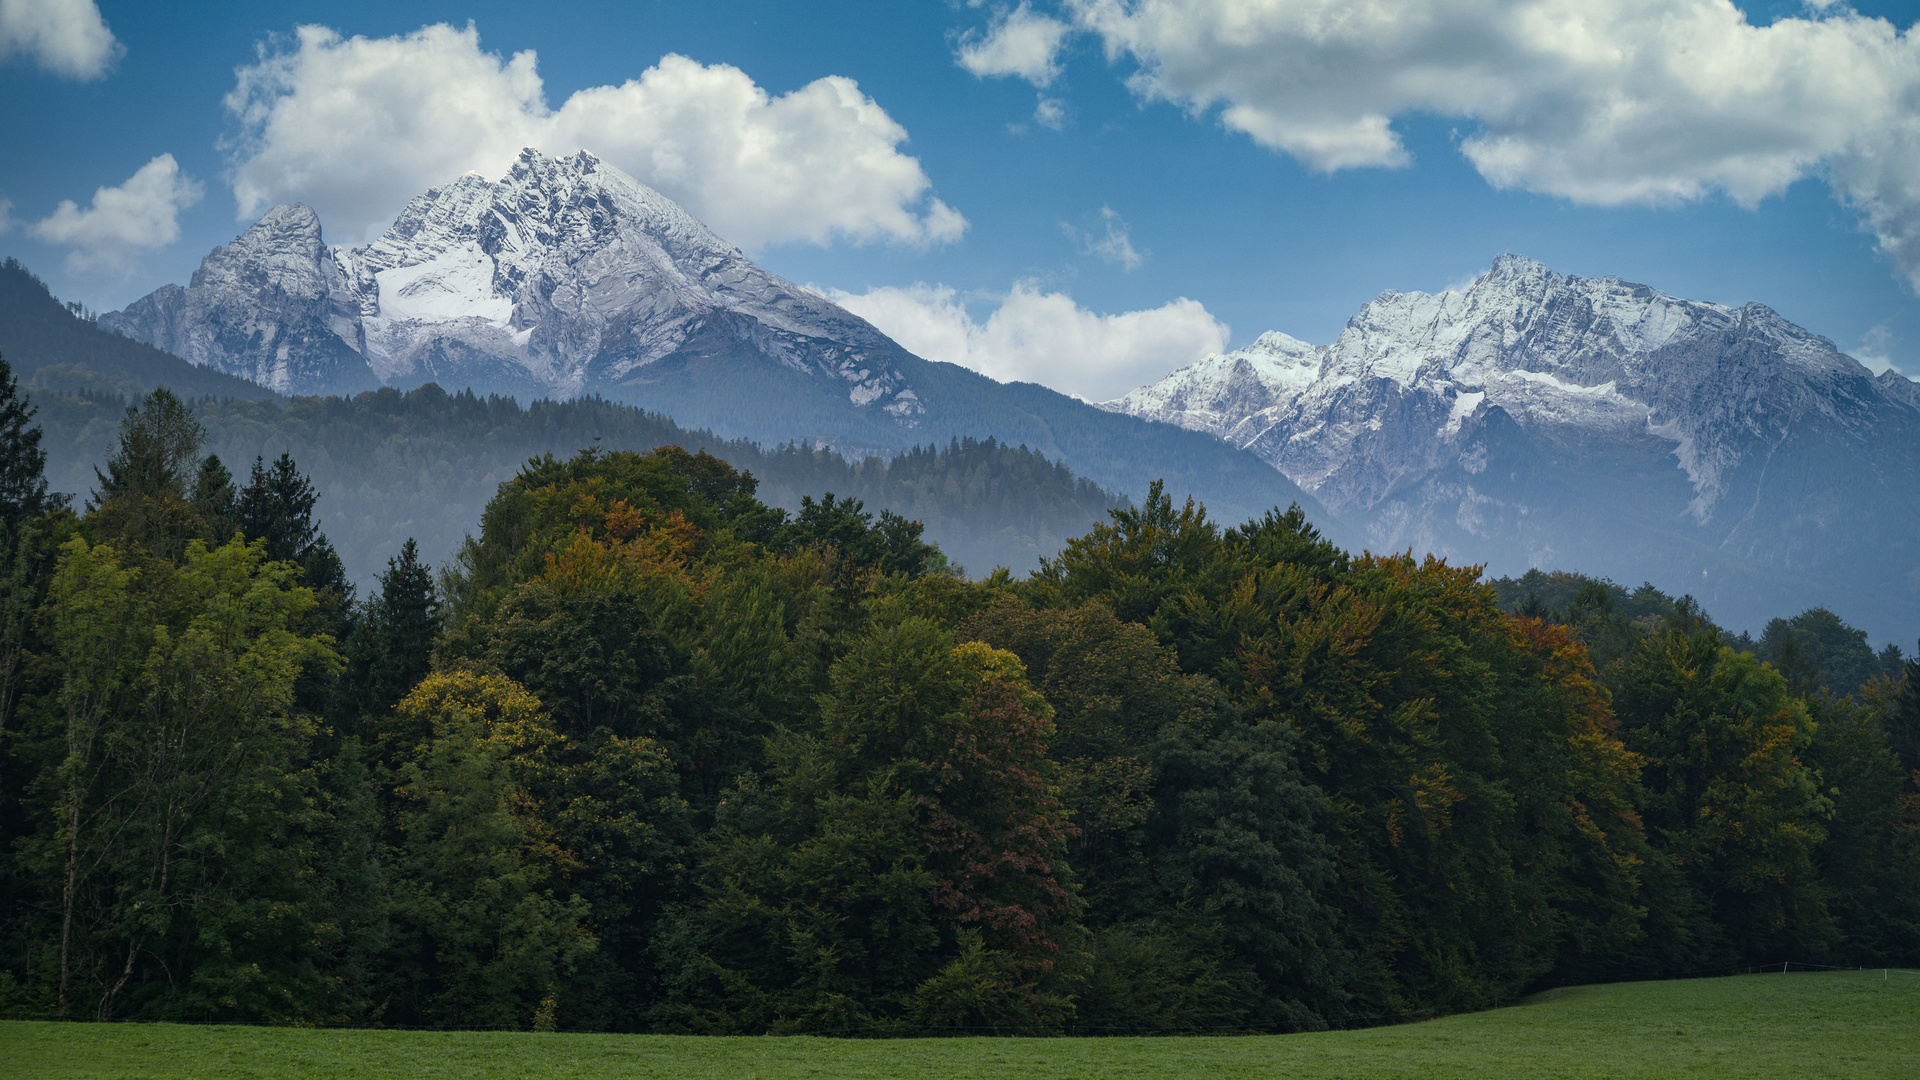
column 67, row 37
column 356, row 126
column 1044, row 337
column 1623, row 102
column 139, row 215
column 1017, row 43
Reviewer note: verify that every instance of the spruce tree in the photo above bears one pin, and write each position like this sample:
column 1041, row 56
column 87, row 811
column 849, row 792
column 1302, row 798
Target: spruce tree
column 144, row 497
column 23, row 482
column 277, row 506
column 216, row 499
column 392, row 645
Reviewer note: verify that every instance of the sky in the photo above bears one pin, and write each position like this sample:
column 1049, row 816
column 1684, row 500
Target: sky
column 1082, row 193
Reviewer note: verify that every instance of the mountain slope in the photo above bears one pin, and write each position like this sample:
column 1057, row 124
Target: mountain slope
column 1542, row 420
column 568, row 277
column 49, row 345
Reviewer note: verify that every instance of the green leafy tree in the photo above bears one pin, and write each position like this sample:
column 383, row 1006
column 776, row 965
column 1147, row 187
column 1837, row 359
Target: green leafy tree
column 1816, row 649
column 1729, row 798
column 485, row 925
column 1868, row 863
column 1401, row 680
column 1200, row 848
column 1903, row 720
column 907, row 848
column 216, row 500
column 27, row 537
column 178, row 817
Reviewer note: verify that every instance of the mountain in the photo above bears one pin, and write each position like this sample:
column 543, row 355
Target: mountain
column 567, row 277
column 1546, row 420
column 51, row 345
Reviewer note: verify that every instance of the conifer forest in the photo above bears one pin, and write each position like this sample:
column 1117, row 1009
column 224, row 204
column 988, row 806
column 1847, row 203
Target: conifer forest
column 650, row 754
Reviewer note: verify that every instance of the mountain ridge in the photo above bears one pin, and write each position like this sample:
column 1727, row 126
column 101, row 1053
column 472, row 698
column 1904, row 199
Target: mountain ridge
column 1534, row 420
column 567, row 277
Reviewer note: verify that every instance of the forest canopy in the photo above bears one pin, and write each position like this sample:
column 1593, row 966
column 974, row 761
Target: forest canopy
column 653, row 754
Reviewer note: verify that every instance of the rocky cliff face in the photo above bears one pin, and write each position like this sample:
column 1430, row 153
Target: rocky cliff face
column 1537, row 419
column 565, row 276
column 265, row 307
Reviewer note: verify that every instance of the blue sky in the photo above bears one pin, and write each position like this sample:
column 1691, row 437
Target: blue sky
column 1120, row 169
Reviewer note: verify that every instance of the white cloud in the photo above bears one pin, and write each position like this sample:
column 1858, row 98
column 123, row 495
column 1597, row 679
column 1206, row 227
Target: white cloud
column 1114, row 245
column 1050, row 113
column 7, row 221
column 1627, row 101
column 1044, row 337
column 1017, row 43
column 1876, row 350
column 67, row 37
column 139, row 215
column 356, row 126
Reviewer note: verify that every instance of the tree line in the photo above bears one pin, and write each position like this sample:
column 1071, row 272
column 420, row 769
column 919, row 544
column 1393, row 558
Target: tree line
column 421, row 465
column 651, row 754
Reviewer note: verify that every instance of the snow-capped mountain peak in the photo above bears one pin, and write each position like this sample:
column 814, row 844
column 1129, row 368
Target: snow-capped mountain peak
column 1535, row 419
column 563, row 276
column 1603, row 358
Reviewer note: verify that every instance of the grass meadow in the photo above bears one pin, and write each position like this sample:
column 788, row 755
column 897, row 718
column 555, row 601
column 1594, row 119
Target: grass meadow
column 1834, row 1024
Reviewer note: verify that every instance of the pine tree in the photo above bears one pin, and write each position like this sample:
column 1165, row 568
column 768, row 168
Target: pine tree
column 215, row 499
column 23, row 483
column 143, row 498
column 392, row 647
column 277, row 506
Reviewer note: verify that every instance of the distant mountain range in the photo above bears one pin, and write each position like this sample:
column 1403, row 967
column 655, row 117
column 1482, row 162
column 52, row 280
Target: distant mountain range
column 391, row 466
column 1546, row 420
column 1530, row 420
column 567, row 277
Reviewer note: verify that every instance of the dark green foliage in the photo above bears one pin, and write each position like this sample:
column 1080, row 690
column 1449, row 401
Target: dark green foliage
column 1465, row 755
column 54, row 348
column 391, row 647
column 144, row 496
column 1903, row 720
column 1728, row 797
column 1200, row 846
column 1609, row 619
column 1815, row 649
column 1819, row 650
column 653, row 753
column 1870, row 861
column 23, row 482
column 215, row 499
column 891, row 545
column 277, row 507
column 423, row 465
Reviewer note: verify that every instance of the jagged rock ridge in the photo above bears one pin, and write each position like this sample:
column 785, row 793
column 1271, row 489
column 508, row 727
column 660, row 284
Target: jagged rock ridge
column 565, row 276
column 1538, row 419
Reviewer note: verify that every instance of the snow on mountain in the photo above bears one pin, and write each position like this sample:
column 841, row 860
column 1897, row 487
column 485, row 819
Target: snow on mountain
column 1535, row 419
column 1590, row 358
column 564, row 276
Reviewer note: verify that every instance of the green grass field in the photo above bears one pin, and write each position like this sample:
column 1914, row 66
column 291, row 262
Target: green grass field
column 1801, row 1025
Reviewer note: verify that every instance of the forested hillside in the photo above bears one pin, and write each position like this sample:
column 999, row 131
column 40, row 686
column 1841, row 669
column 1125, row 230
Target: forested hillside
column 390, row 466
column 655, row 755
